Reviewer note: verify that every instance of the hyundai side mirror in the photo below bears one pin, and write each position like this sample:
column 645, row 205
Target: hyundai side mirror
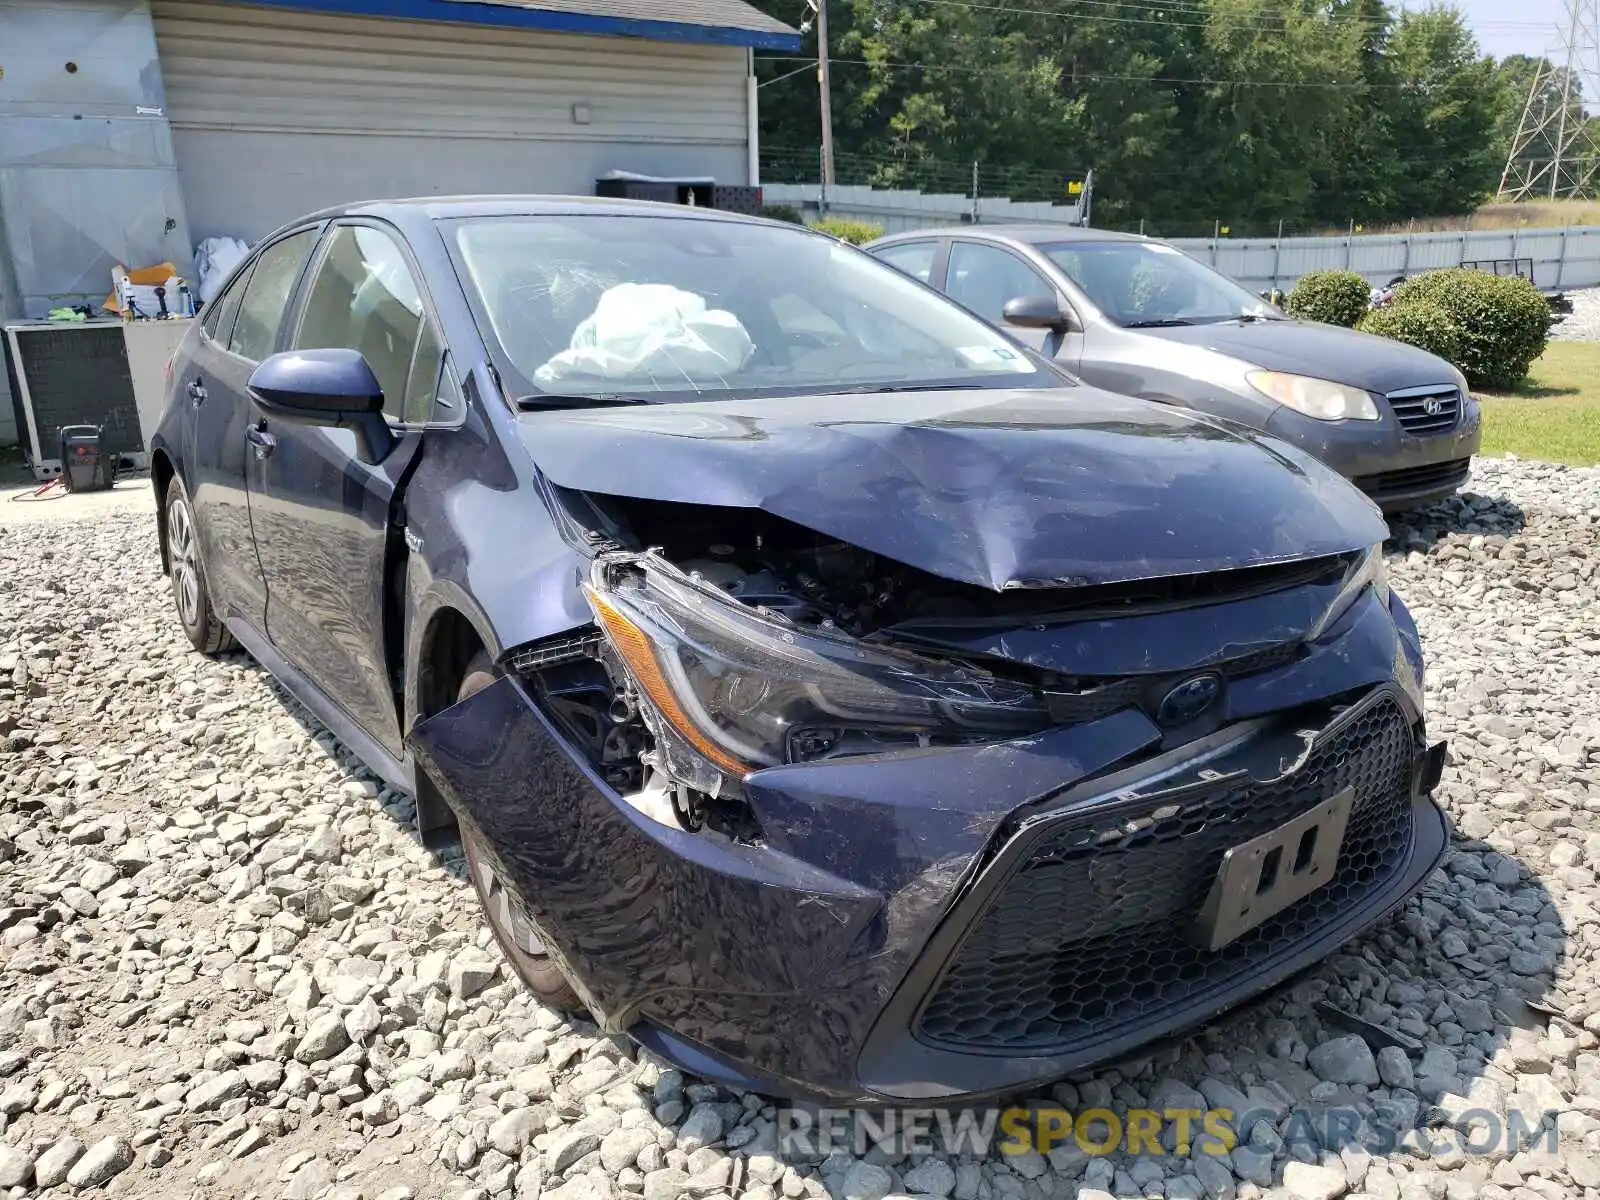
column 1040, row 312
column 334, row 388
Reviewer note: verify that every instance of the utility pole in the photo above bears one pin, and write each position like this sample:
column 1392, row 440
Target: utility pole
column 824, row 94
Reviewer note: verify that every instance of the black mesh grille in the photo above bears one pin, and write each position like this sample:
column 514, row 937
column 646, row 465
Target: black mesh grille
column 1410, row 479
column 1092, row 933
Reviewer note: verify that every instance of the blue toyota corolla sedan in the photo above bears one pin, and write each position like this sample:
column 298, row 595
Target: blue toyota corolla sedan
column 830, row 695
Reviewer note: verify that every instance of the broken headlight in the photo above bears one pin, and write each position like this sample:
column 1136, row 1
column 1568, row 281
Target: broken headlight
column 1367, row 571
column 743, row 689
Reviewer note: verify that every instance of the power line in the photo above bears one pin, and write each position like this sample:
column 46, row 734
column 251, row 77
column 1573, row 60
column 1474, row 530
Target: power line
column 1266, row 22
column 1558, row 123
column 1099, row 76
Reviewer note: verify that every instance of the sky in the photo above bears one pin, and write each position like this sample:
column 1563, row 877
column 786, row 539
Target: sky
column 1514, row 26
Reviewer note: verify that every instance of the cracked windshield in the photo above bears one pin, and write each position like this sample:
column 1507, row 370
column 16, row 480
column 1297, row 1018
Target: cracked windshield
column 674, row 308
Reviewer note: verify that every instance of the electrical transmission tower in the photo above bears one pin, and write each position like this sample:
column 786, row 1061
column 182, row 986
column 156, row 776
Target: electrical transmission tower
column 1554, row 154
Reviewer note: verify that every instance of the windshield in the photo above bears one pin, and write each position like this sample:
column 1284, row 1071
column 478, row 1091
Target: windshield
column 1145, row 284
column 665, row 307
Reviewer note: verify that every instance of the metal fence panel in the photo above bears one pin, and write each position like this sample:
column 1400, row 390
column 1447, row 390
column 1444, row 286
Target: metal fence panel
column 1561, row 258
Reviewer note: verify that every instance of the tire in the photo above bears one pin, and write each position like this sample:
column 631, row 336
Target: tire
column 191, row 595
column 521, row 946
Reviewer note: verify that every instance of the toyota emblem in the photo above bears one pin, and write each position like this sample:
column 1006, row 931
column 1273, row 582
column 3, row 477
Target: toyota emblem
column 1188, row 700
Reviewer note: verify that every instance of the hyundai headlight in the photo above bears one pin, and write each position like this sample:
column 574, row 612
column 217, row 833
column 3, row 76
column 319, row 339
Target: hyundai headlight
column 1319, row 398
column 1369, row 571
column 739, row 689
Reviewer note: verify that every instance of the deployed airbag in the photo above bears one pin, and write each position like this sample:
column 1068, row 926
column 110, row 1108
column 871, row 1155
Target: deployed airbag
column 651, row 330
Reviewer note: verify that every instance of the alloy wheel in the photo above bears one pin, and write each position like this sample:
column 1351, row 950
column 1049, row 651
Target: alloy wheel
column 185, row 558
column 502, row 907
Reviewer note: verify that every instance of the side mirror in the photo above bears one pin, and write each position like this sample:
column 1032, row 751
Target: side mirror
column 334, row 388
column 1040, row 312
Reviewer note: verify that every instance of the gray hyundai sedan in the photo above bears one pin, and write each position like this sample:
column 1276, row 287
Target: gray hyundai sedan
column 1137, row 316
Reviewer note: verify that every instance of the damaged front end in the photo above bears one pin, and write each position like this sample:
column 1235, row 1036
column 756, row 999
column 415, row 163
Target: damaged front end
column 810, row 820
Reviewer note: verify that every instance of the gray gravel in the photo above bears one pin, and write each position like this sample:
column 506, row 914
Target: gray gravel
column 229, row 971
column 1582, row 324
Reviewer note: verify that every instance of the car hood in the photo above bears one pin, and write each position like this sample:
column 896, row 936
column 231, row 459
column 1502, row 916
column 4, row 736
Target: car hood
column 1001, row 489
column 1362, row 360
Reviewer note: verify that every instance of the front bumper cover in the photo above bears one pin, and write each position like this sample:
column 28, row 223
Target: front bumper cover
column 1395, row 468
column 796, row 966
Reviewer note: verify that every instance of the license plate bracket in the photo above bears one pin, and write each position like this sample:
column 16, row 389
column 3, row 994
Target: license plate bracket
column 1261, row 877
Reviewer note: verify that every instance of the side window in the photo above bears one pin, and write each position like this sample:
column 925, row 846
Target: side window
column 266, row 295
column 220, row 313
column 913, row 258
column 364, row 298
column 984, row 277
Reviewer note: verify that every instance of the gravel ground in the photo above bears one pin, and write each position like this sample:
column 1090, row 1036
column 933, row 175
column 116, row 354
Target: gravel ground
column 1583, row 322
column 230, row 971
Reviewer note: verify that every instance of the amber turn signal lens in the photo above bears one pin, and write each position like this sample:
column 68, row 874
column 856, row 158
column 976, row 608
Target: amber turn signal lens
column 640, row 656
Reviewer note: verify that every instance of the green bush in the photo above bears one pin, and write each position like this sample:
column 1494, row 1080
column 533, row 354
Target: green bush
column 1332, row 297
column 857, row 233
column 782, row 212
column 1503, row 319
column 1418, row 323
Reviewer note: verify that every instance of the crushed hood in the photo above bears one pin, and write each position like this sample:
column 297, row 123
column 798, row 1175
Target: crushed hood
column 1002, row 489
column 1363, row 360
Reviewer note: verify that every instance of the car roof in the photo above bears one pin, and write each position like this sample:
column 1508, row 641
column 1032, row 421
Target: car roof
column 439, row 208
column 1027, row 235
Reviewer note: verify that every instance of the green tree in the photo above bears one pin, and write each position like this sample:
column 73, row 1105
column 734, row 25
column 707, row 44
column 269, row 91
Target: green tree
column 1287, row 74
column 1444, row 116
column 1243, row 111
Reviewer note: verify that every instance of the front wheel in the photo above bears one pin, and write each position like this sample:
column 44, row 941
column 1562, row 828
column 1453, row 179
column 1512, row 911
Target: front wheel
column 190, row 594
column 510, row 925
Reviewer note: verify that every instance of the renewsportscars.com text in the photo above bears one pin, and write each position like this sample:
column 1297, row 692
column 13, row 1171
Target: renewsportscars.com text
column 817, row 1132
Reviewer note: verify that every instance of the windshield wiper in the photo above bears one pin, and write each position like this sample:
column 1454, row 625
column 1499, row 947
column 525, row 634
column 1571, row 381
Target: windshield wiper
column 553, row 400
column 1158, row 323
column 868, row 389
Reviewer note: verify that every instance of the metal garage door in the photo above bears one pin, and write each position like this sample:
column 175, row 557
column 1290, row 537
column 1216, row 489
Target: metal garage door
column 276, row 112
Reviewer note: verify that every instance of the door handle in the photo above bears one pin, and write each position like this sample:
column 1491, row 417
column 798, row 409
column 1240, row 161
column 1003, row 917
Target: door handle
column 261, row 442
column 197, row 391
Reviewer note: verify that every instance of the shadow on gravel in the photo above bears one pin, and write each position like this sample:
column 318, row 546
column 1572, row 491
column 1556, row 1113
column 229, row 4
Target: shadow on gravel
column 1467, row 512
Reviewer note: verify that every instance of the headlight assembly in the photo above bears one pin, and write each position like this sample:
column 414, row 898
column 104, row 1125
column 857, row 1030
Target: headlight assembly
column 742, row 690
column 1319, row 398
column 1368, row 571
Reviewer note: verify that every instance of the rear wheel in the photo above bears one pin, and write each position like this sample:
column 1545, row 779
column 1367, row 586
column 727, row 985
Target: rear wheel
column 510, row 925
column 190, row 594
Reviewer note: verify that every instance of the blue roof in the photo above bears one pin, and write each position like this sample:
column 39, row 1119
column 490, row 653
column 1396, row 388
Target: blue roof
column 714, row 22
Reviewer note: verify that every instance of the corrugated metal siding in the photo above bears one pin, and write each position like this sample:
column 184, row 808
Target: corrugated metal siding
column 276, row 113
column 265, row 70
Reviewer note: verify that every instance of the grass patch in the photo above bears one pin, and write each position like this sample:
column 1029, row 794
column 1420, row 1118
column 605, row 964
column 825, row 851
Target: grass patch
column 1554, row 414
column 1530, row 214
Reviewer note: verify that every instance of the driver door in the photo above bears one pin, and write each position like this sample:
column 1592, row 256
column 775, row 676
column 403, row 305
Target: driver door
column 328, row 526
column 984, row 277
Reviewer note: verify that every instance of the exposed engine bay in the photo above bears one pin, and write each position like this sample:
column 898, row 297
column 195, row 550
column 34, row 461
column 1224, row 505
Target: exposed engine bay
column 826, row 655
